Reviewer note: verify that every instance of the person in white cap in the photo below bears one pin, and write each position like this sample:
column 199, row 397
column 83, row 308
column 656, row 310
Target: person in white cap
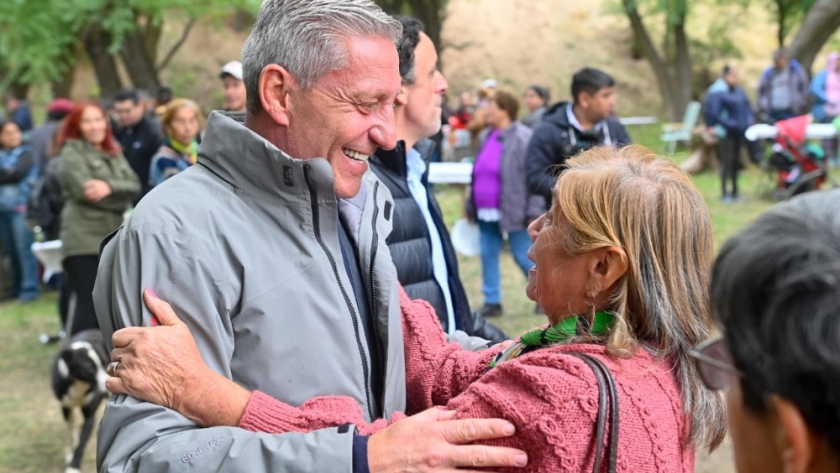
column 235, row 95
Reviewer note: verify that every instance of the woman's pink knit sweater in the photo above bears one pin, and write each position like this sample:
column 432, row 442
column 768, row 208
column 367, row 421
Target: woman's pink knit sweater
column 551, row 397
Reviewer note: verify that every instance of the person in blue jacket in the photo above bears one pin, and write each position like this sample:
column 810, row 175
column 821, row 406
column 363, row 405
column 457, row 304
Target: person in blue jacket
column 826, row 91
column 17, row 173
column 728, row 113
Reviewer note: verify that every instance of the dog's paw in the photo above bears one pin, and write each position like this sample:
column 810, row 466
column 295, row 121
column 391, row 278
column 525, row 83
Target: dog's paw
column 71, row 470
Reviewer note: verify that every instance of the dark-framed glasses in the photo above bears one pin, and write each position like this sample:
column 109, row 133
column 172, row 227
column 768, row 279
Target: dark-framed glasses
column 714, row 363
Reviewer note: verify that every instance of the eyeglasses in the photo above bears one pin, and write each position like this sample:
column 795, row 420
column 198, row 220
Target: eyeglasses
column 714, row 363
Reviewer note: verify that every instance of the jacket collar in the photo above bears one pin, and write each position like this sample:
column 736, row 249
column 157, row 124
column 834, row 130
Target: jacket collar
column 395, row 159
column 249, row 162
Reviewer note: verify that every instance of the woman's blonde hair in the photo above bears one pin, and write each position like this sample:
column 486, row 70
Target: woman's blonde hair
column 172, row 110
column 645, row 205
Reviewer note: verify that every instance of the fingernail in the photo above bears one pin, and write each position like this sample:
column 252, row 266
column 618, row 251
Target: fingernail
column 152, row 293
column 521, row 459
column 509, row 429
column 155, row 322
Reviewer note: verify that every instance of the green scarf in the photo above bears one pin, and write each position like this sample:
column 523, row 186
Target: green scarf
column 190, row 150
column 562, row 331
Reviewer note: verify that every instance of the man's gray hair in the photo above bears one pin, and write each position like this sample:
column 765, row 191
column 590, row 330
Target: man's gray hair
column 306, row 38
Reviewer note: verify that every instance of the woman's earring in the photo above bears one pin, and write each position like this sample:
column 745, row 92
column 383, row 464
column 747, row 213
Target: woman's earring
column 590, row 304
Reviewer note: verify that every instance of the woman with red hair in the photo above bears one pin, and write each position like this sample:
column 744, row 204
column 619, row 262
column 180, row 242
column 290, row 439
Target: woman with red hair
column 99, row 186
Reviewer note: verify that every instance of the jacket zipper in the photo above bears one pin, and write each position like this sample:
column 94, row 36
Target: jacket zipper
column 316, row 225
column 373, row 305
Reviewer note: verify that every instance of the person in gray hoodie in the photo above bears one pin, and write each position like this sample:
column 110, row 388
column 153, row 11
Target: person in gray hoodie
column 273, row 251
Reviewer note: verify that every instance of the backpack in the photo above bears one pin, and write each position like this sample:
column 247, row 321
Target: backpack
column 45, row 202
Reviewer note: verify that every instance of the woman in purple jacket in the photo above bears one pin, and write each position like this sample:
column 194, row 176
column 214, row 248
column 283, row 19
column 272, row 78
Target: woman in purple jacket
column 500, row 200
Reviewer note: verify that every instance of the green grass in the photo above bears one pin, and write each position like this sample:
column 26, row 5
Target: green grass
column 32, row 433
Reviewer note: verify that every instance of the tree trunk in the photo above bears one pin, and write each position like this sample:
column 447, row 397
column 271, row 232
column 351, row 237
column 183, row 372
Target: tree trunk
column 636, row 47
column 13, row 85
column 151, row 39
column 97, row 41
column 685, row 77
column 781, row 18
column 137, row 62
column 660, row 67
column 18, row 89
column 822, row 20
column 175, row 47
column 64, row 85
column 431, row 13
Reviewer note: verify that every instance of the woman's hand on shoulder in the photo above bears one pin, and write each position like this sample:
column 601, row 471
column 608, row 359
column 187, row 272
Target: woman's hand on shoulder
column 162, row 365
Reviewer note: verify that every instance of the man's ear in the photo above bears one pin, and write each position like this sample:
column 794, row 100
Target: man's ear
column 583, row 99
column 402, row 97
column 274, row 88
column 794, row 441
column 608, row 265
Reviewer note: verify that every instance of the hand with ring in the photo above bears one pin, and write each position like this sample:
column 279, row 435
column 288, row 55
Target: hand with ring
column 112, row 368
column 162, row 365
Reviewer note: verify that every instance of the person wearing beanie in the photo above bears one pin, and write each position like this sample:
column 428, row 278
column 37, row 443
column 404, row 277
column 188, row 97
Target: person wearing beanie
column 536, row 101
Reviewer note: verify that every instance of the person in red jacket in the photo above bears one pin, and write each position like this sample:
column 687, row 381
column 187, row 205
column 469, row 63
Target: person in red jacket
column 621, row 277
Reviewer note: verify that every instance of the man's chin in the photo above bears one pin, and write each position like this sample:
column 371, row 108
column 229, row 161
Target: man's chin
column 344, row 190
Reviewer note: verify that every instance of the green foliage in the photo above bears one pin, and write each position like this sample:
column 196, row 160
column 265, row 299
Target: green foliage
column 38, row 37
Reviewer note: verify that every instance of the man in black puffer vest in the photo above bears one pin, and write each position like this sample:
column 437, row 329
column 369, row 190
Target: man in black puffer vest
column 420, row 247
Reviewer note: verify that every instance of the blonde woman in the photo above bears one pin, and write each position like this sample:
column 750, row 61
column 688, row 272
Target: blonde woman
column 182, row 122
column 622, row 272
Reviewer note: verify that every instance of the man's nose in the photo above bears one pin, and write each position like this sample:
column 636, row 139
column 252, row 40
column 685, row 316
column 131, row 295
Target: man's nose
column 384, row 133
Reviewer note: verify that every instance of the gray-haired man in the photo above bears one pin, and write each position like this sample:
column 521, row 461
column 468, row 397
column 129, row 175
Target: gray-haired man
column 272, row 250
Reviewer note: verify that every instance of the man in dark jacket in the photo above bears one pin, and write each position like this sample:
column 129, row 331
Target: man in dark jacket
column 139, row 136
column 728, row 113
column 419, row 243
column 570, row 127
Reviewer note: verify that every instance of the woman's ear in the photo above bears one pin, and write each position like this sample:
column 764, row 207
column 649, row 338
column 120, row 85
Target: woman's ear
column 608, row 265
column 275, row 85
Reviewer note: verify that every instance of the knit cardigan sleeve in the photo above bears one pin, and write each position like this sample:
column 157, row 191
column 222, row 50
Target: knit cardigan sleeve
column 436, row 371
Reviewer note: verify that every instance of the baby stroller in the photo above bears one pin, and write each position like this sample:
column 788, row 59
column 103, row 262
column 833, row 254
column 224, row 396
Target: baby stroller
column 799, row 165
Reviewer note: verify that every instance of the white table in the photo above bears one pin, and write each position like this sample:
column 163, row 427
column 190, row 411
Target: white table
column 450, row 173
column 815, row 131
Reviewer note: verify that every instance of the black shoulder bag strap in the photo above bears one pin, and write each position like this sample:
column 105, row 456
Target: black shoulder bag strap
column 607, row 391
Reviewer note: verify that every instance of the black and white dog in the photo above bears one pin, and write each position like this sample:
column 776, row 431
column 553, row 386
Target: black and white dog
column 78, row 381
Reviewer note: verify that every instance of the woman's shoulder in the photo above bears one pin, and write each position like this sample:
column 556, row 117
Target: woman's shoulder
column 552, row 396
column 77, row 148
column 522, row 131
column 166, row 152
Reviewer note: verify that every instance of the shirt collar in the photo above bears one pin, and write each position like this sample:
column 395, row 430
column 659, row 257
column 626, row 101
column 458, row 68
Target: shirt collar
column 415, row 163
column 574, row 121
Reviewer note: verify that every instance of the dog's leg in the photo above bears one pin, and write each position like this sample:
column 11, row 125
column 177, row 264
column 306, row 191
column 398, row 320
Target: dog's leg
column 89, row 410
column 71, row 438
column 75, row 423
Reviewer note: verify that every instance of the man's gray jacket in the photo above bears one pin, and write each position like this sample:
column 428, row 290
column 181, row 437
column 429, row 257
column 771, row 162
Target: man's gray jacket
column 245, row 247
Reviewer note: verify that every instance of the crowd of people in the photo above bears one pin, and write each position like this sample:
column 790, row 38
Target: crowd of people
column 784, row 92
column 74, row 177
column 304, row 229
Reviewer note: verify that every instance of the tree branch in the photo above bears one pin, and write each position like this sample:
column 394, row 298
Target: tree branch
column 177, row 45
column 822, row 20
